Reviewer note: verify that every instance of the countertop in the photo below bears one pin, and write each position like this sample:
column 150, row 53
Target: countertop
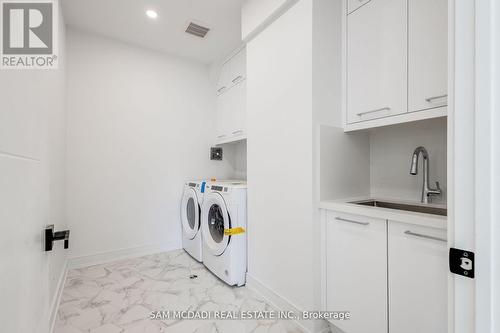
column 426, row 220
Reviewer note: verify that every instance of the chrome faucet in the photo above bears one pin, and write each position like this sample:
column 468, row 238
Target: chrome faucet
column 426, row 191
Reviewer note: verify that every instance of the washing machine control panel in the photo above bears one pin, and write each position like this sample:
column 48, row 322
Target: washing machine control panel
column 218, row 188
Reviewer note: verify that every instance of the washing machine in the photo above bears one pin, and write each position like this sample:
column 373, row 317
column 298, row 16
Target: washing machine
column 192, row 200
column 224, row 230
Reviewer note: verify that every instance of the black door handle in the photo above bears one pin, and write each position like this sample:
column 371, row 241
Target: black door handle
column 51, row 237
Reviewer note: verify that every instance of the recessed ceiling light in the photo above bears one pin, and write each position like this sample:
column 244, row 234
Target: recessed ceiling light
column 151, row 14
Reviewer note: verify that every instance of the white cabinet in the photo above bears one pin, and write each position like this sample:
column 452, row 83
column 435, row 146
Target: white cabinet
column 427, row 47
column 417, row 278
column 231, row 100
column 395, row 61
column 376, row 60
column 391, row 276
column 231, row 114
column 223, row 83
column 357, row 271
column 238, row 70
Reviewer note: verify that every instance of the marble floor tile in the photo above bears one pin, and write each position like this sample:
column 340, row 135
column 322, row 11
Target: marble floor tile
column 119, row 297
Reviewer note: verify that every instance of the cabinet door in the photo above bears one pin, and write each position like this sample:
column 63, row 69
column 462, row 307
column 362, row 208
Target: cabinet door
column 418, row 272
column 231, row 112
column 222, row 116
column 427, row 57
column 238, row 67
column 240, row 115
column 355, row 4
column 377, row 60
column 357, row 272
column 224, row 82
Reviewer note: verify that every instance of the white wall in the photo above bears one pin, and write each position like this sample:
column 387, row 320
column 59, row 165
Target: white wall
column 344, row 164
column 235, row 155
column 391, row 149
column 32, row 148
column 140, row 125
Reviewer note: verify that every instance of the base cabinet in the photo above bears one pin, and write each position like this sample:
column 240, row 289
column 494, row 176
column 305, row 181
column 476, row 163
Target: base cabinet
column 417, row 279
column 357, row 272
column 390, row 276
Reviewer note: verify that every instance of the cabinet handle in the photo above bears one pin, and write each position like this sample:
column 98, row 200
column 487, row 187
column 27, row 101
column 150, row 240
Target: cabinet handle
column 373, row 111
column 221, row 136
column 430, row 99
column 238, row 132
column 221, row 89
column 351, row 221
column 411, row 233
column 239, row 77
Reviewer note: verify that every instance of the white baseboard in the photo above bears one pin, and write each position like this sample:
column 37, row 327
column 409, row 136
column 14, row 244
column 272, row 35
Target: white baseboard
column 105, row 257
column 54, row 306
column 282, row 304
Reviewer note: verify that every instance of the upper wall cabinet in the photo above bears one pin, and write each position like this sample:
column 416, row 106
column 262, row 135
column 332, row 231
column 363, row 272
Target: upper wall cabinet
column 376, row 60
column 427, row 87
column 395, row 61
column 233, row 72
column 231, row 100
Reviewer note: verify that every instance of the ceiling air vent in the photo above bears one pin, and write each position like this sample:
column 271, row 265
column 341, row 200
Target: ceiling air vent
column 197, row 30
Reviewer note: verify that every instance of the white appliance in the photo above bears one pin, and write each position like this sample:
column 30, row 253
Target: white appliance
column 192, row 200
column 224, row 224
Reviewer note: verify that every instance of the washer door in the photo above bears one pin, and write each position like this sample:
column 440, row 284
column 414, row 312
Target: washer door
column 190, row 213
column 214, row 220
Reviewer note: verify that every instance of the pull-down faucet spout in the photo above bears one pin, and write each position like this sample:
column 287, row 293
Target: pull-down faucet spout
column 427, row 192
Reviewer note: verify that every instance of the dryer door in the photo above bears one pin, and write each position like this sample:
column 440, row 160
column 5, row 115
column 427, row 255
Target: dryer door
column 190, row 213
column 214, row 220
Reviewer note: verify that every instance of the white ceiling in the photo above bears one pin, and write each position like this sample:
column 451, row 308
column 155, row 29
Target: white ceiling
column 126, row 20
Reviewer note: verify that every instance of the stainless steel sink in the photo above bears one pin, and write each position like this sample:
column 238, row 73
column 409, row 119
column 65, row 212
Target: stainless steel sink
column 406, row 207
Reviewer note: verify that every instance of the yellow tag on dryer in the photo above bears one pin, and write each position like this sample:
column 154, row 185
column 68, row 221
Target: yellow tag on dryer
column 234, row 231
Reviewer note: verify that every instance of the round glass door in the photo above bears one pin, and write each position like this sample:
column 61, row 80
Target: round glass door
column 216, row 223
column 190, row 213
column 214, row 220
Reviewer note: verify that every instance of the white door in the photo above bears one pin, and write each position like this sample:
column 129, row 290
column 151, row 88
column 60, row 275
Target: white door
column 427, row 54
column 377, row 60
column 473, row 147
column 24, row 266
column 418, row 278
column 214, row 220
column 357, row 272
